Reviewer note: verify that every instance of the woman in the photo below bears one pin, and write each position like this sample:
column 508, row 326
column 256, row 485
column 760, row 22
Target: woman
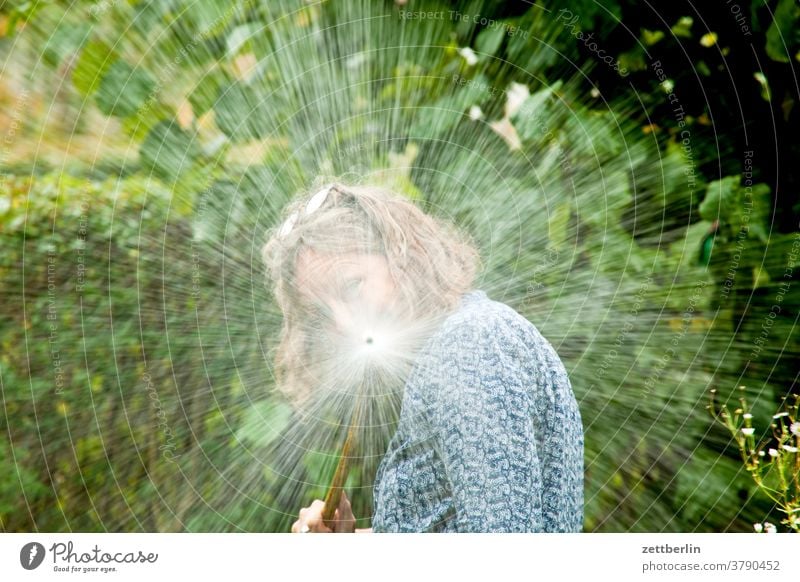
column 489, row 436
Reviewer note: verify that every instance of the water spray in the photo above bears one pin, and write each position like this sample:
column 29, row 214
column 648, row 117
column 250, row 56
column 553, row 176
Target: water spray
column 334, row 494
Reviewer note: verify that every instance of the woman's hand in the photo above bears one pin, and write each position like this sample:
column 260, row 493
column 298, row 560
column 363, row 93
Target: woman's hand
column 310, row 519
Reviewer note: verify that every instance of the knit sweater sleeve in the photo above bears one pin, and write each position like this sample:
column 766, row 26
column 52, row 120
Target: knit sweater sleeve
column 481, row 418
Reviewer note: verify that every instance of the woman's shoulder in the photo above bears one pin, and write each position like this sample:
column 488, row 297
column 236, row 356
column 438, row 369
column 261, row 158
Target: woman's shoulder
column 488, row 343
column 481, row 324
column 479, row 316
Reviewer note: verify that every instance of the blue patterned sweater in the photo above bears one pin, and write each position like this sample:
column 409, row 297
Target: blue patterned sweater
column 489, row 438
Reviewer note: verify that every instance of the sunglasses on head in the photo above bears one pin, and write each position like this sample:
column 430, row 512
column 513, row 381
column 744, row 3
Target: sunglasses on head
column 316, row 201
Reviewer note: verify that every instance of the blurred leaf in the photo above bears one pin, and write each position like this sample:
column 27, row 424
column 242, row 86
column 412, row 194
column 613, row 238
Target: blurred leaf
column 65, row 40
column 709, row 39
column 760, row 277
column 780, row 32
column 444, row 114
column 320, row 466
column 20, row 12
column 147, row 116
column 490, row 39
column 558, row 225
column 242, row 113
column 709, row 480
column 651, row 37
column 264, row 422
column 766, row 94
column 205, row 92
column 737, row 207
column 683, row 27
column 240, row 36
column 535, row 117
column 124, row 89
column 633, row 60
column 168, row 151
column 95, row 59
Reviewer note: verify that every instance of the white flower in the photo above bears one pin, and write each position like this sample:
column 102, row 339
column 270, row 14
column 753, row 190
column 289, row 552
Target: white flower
column 475, row 113
column 469, row 55
column 758, row 527
column 790, row 449
column 748, row 431
column 773, row 453
column 357, row 60
column 516, row 95
column 794, row 428
column 770, row 528
column 780, row 414
column 760, row 453
column 747, row 415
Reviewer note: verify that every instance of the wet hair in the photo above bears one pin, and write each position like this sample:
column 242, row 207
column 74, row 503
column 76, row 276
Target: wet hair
column 431, row 262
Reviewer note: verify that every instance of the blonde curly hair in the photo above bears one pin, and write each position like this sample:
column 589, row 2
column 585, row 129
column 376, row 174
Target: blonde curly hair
column 431, row 262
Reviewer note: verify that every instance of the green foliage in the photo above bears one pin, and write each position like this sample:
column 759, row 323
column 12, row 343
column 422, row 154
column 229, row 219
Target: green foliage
column 123, row 89
column 783, row 34
column 168, row 151
column 264, row 422
column 67, row 39
column 94, row 62
column 738, row 208
column 242, row 113
column 775, row 471
column 101, row 416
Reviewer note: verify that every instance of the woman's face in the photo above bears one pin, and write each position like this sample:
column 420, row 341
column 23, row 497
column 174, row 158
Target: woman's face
column 349, row 288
